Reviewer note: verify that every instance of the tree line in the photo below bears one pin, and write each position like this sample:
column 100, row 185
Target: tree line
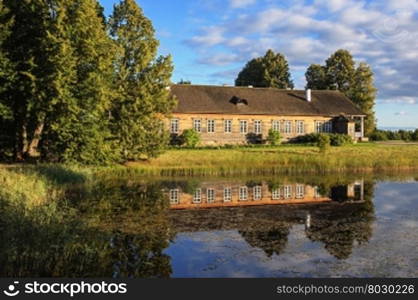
column 389, row 135
column 340, row 72
column 76, row 86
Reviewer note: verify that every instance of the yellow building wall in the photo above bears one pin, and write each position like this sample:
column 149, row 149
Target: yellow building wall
column 219, row 137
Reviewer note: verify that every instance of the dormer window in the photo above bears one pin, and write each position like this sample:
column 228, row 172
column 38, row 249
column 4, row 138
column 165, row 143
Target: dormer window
column 239, row 101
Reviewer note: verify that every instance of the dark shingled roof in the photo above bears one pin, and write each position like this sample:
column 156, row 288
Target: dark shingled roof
column 260, row 101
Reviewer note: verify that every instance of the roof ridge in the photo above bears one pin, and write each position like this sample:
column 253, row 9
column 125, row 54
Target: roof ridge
column 251, row 88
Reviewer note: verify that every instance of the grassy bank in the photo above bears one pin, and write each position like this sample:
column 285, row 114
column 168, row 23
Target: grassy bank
column 285, row 159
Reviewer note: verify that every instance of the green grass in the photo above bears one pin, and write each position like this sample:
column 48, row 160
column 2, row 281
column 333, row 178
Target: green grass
column 35, row 183
column 285, row 159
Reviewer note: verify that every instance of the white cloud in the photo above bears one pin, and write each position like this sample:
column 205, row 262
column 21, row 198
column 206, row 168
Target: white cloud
column 210, row 36
column 241, row 3
column 332, row 5
column 381, row 33
column 220, row 59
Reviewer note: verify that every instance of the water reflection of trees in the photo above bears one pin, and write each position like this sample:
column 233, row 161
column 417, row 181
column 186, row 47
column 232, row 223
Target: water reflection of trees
column 120, row 229
column 340, row 229
column 104, row 231
column 339, row 225
column 272, row 240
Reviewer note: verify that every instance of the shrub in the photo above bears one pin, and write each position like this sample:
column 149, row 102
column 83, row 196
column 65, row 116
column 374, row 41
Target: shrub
column 336, row 139
column 379, row 135
column 340, row 139
column 190, row 138
column 253, row 138
column 324, row 142
column 405, row 135
column 415, row 135
column 274, row 137
column 311, row 138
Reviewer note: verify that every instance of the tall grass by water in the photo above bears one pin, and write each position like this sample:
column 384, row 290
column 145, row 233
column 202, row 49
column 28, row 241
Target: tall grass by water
column 284, row 159
column 37, row 183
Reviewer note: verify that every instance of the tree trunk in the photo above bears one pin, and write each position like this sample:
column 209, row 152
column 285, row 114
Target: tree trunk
column 21, row 144
column 33, row 146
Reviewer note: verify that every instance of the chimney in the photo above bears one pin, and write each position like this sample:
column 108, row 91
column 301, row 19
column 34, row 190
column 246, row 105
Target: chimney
column 309, row 95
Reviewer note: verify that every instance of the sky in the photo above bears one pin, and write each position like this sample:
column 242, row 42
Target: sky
column 211, row 40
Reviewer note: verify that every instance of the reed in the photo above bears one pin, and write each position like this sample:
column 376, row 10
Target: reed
column 283, row 159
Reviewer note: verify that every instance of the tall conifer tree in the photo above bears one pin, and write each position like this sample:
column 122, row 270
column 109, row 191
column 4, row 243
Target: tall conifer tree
column 363, row 93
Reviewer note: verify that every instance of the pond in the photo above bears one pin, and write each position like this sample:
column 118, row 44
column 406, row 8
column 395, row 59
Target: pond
column 281, row 226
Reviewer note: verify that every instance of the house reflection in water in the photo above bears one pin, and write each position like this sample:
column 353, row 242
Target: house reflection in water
column 226, row 194
column 339, row 216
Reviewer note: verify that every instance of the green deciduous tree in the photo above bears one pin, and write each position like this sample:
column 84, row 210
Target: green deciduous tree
column 340, row 73
column 142, row 99
column 73, row 89
column 6, row 114
column 316, row 77
column 340, row 70
column 78, row 124
column 31, row 78
column 270, row 70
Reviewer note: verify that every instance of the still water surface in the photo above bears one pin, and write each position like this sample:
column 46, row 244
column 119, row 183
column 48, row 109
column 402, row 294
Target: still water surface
column 333, row 226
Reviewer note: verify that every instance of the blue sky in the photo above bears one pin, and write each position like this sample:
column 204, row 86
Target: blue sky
column 211, row 40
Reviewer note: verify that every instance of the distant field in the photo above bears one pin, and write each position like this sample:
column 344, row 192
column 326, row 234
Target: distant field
column 282, row 159
column 396, row 142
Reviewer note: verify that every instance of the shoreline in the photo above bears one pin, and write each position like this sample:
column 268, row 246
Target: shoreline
column 283, row 159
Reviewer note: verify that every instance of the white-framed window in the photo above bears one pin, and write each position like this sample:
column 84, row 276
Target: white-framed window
column 288, row 127
column 300, row 191
column 210, row 195
column 228, row 126
column 174, row 196
column 328, row 127
column 197, row 125
column 211, row 126
column 300, row 127
column 257, row 127
column 257, row 194
column 275, row 194
column 243, row 193
column 174, row 126
column 275, row 125
column 319, row 126
column 197, row 197
column 227, row 194
column 243, row 126
column 287, row 191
